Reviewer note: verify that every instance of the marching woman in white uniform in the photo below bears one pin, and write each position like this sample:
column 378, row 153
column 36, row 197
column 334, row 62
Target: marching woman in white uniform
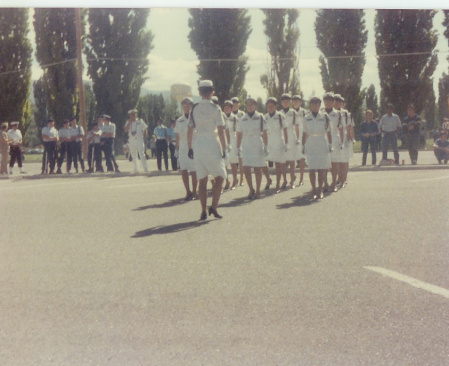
column 348, row 138
column 231, row 121
column 208, row 143
column 301, row 112
column 186, row 164
column 277, row 140
column 252, row 144
column 336, row 127
column 294, row 150
column 317, row 141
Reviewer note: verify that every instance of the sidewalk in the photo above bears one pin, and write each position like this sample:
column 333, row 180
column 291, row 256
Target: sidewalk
column 426, row 160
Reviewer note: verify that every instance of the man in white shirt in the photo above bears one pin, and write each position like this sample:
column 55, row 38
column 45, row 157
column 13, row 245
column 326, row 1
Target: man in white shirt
column 15, row 147
column 390, row 124
column 137, row 132
column 50, row 138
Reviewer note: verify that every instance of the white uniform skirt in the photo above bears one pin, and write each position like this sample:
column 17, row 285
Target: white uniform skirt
column 252, row 151
column 185, row 163
column 207, row 156
column 276, row 148
column 317, row 152
column 294, row 151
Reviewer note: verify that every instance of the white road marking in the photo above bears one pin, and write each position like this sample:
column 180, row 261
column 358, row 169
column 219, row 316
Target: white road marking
column 429, row 179
column 411, row 281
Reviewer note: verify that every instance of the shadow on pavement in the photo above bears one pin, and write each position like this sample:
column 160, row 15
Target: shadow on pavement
column 171, row 203
column 303, row 200
column 157, row 230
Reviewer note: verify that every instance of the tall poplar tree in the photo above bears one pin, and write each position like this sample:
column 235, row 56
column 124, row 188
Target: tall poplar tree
column 405, row 46
column 341, row 37
column 443, row 97
column 117, row 49
column 15, row 65
column 56, row 53
column 219, row 37
column 372, row 101
column 281, row 28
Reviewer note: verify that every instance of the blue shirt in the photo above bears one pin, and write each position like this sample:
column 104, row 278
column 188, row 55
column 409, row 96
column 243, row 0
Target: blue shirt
column 160, row 132
column 172, row 134
column 368, row 127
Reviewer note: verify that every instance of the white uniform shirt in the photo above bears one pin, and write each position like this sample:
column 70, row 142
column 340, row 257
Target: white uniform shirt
column 50, row 132
column 181, row 127
column 65, row 133
column 136, row 130
column 108, row 128
column 390, row 123
column 76, row 131
column 206, row 117
column 97, row 136
column 15, row 136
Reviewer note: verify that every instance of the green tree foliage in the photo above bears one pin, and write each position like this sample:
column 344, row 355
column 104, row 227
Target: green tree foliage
column 221, row 34
column 150, row 108
column 341, row 37
column 371, row 100
column 282, row 31
column 41, row 112
column 56, row 53
column 430, row 110
column 443, row 95
column 117, row 50
column 15, row 65
column 90, row 103
column 407, row 77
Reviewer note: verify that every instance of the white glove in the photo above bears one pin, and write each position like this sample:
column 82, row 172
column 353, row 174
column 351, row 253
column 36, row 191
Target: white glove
column 228, row 148
column 331, row 148
column 286, row 147
column 176, row 154
column 265, row 150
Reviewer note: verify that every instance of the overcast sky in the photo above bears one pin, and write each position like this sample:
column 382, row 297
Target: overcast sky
column 173, row 61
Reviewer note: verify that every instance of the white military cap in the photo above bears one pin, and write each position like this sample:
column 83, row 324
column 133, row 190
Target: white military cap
column 206, row 84
column 187, row 100
column 235, row 100
column 132, row 111
column 286, row 96
column 272, row 100
column 329, row 95
column 339, row 97
column 297, row 96
column 5, row 124
column 15, row 123
column 228, row 102
column 250, row 99
column 214, row 99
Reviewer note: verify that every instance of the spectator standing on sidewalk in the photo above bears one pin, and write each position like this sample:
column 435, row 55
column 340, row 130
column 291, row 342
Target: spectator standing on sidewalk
column 369, row 133
column 410, row 128
column 390, row 124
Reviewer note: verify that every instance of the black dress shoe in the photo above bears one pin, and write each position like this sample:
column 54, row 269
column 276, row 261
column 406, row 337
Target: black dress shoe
column 189, row 197
column 213, row 211
column 203, row 216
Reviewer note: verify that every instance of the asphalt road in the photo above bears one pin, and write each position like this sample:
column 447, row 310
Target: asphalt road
column 116, row 270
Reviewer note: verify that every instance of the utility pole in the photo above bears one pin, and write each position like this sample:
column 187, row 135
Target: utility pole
column 80, row 77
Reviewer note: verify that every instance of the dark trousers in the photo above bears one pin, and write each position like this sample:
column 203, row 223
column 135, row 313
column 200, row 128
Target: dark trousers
column 174, row 161
column 66, row 148
column 161, row 148
column 390, row 139
column 413, row 145
column 94, row 157
column 15, row 152
column 108, row 148
column 50, row 156
column 367, row 143
column 441, row 155
column 78, row 155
